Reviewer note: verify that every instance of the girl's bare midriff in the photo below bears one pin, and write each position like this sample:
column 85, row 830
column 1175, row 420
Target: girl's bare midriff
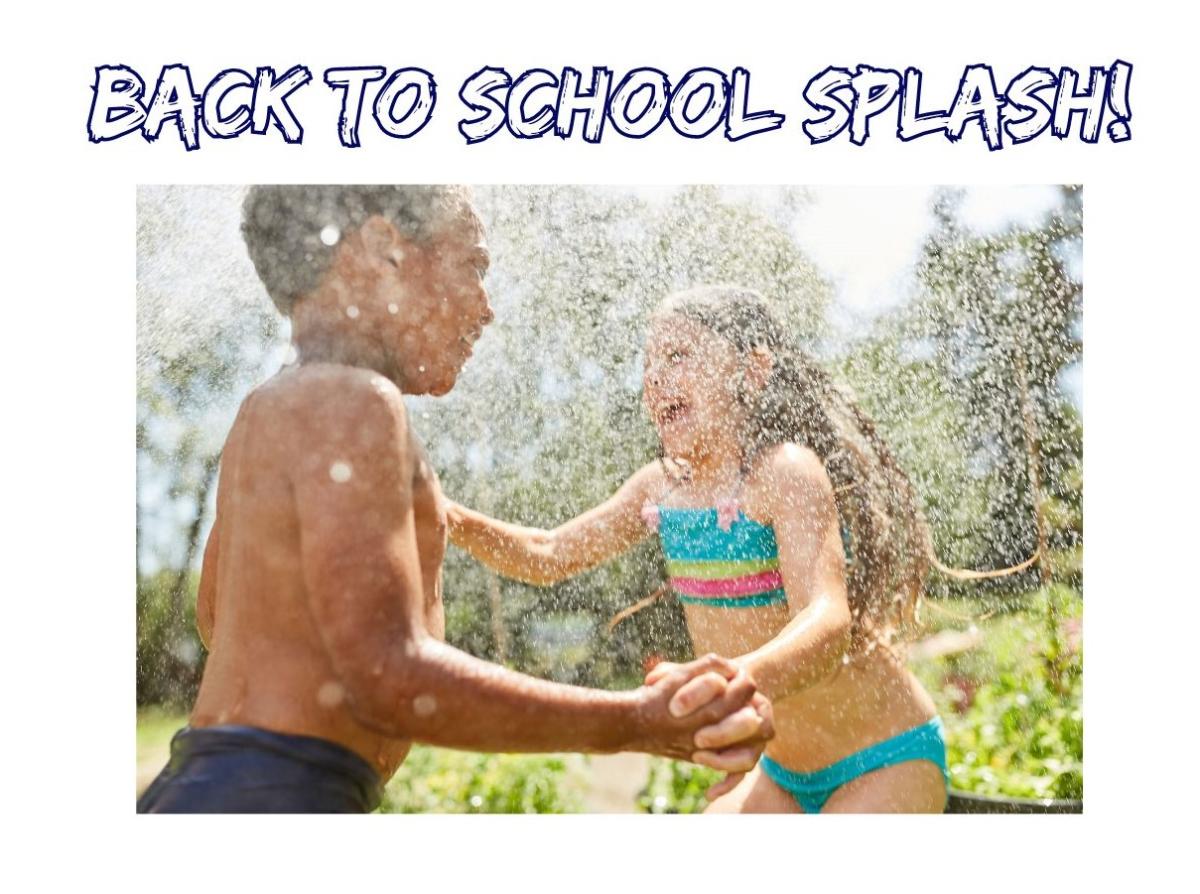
column 871, row 699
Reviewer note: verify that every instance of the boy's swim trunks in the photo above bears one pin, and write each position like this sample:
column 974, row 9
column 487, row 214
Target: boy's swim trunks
column 243, row 769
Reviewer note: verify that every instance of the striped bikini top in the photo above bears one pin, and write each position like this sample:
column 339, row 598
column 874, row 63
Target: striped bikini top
column 718, row 557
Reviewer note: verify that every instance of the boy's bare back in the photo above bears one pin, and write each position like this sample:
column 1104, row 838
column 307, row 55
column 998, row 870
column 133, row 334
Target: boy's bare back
column 270, row 666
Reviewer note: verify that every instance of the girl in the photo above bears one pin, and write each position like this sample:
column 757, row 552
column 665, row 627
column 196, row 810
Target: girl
column 793, row 541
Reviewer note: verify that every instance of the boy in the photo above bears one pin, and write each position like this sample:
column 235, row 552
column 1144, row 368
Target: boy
column 320, row 594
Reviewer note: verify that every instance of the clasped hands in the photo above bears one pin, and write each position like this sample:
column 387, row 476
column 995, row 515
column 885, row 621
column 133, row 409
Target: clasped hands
column 714, row 716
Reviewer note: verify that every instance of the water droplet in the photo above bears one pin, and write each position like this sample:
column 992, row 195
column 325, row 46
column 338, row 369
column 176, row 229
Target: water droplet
column 424, row 705
column 330, row 235
column 352, row 312
column 393, row 308
column 331, row 694
column 340, row 472
column 421, row 367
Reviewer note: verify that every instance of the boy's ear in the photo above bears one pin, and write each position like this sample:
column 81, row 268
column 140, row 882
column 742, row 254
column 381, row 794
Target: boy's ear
column 378, row 234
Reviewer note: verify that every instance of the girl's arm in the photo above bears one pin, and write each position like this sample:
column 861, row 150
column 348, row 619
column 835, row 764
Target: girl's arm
column 543, row 557
column 799, row 497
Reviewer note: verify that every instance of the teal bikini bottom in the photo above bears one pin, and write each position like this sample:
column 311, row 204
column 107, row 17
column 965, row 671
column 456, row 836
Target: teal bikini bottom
column 811, row 790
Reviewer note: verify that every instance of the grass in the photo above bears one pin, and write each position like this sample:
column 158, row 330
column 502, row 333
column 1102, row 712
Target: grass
column 155, row 727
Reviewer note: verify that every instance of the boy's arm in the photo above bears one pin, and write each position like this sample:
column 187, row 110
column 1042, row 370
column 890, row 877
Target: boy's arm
column 543, row 557
column 361, row 570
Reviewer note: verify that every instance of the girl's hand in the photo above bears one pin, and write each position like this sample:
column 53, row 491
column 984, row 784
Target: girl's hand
column 725, row 786
column 735, row 743
column 452, row 512
column 659, row 671
column 705, row 704
column 724, row 745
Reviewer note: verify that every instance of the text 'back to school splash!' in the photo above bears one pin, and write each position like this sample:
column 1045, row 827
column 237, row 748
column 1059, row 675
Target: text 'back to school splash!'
column 837, row 104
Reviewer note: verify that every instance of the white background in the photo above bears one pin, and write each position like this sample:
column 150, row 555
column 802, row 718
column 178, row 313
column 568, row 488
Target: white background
column 68, row 332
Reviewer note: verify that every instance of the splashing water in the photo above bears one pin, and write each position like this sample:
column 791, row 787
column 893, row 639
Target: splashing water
column 922, row 321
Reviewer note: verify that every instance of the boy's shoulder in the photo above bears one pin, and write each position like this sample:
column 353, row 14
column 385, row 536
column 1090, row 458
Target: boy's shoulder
column 333, row 384
column 322, row 400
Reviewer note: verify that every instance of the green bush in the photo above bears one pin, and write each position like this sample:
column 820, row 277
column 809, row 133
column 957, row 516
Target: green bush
column 1017, row 739
column 438, row 780
column 170, row 657
column 1014, row 709
column 676, row 787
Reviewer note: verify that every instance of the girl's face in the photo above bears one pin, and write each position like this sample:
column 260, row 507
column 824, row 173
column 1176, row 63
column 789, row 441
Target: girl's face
column 690, row 387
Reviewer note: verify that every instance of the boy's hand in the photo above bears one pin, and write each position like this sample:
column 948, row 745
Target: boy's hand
column 725, row 786
column 713, row 714
column 732, row 743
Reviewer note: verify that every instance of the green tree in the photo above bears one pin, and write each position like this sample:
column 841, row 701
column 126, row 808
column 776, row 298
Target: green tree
column 205, row 332
column 1003, row 312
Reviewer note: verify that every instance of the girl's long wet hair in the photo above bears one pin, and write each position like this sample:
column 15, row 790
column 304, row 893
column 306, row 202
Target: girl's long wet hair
column 890, row 547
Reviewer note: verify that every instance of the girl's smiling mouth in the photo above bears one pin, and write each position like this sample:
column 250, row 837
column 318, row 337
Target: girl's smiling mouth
column 668, row 413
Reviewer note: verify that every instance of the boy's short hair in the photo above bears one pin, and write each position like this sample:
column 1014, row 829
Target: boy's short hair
column 291, row 231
